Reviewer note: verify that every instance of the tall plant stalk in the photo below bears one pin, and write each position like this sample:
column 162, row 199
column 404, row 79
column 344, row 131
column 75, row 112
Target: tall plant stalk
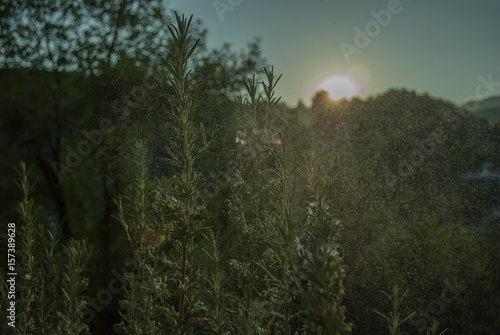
column 282, row 228
column 184, row 150
column 394, row 319
column 28, row 255
column 316, row 260
column 145, row 238
column 248, row 200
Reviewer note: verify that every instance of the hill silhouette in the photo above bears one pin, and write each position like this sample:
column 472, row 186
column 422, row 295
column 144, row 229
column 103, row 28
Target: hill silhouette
column 489, row 108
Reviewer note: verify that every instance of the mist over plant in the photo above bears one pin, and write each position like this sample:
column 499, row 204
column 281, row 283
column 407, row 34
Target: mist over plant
column 155, row 185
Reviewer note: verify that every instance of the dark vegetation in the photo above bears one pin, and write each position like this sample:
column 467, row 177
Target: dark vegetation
column 171, row 192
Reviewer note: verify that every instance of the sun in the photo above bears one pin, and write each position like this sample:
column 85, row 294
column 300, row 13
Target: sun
column 340, row 85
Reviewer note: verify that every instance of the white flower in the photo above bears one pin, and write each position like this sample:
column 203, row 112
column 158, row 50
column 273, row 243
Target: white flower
column 240, row 137
column 332, row 252
column 316, row 203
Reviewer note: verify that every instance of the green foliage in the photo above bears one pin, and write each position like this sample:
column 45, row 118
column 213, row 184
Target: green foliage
column 83, row 35
column 77, row 254
column 434, row 329
column 406, row 215
column 218, row 314
column 145, row 238
column 316, row 262
column 394, row 319
column 260, row 252
column 50, row 280
column 248, row 206
column 270, row 210
column 28, row 261
column 182, row 217
column 187, row 215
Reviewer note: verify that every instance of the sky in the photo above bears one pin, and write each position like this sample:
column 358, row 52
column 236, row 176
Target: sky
column 449, row 49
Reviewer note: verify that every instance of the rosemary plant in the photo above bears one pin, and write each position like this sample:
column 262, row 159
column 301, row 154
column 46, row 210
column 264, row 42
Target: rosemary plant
column 186, row 212
column 316, row 261
column 218, row 311
column 433, row 329
column 163, row 293
column 249, row 201
column 394, row 320
column 51, row 278
column 77, row 255
column 145, row 238
column 28, row 260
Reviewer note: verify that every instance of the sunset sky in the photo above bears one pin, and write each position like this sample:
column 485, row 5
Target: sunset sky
column 442, row 48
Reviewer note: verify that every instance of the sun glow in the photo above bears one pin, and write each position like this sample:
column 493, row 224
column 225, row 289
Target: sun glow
column 340, row 85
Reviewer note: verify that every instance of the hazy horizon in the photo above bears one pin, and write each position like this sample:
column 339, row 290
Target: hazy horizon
column 448, row 50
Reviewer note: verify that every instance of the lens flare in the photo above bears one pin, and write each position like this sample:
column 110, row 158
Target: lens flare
column 339, row 85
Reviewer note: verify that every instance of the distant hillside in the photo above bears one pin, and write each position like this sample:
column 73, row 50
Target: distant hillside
column 488, row 108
